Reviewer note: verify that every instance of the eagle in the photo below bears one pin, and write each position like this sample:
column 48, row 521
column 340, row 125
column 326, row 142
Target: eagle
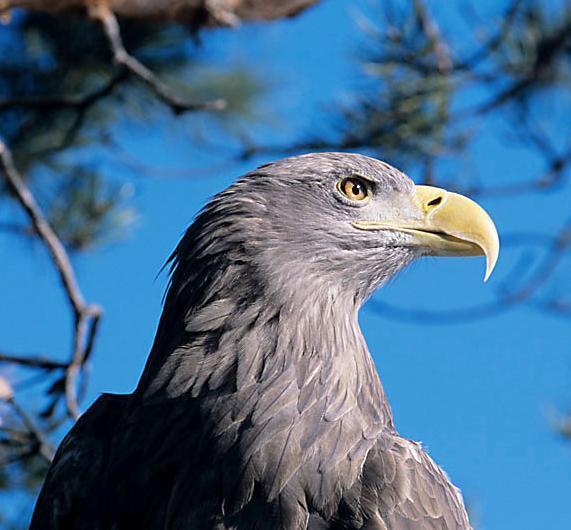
column 260, row 406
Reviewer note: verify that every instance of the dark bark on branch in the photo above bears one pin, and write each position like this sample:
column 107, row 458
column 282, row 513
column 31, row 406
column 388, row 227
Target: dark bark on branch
column 197, row 13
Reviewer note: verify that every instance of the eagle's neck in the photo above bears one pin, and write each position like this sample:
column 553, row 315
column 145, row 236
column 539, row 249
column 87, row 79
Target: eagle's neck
column 311, row 337
column 283, row 382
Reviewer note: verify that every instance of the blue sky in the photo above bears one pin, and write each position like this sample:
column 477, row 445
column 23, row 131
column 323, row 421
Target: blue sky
column 479, row 395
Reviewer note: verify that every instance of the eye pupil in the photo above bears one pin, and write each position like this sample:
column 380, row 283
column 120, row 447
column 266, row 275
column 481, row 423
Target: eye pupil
column 356, row 189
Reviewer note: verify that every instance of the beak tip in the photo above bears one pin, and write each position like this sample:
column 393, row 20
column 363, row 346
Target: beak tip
column 491, row 260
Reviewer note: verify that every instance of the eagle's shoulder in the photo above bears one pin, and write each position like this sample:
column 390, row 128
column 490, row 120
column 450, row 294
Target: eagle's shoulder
column 401, row 487
column 78, row 462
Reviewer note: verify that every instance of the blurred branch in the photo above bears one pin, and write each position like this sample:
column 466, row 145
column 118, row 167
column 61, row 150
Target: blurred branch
column 494, row 42
column 126, row 160
column 40, row 362
column 86, row 316
column 563, row 426
column 432, row 31
column 76, row 102
column 558, row 170
column 29, row 442
column 193, row 13
column 40, row 444
column 103, row 13
column 560, row 246
column 546, row 50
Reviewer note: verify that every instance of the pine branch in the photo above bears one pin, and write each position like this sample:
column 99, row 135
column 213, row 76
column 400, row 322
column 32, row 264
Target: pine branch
column 178, row 105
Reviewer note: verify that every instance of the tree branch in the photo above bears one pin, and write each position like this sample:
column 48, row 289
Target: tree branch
column 45, row 449
column 108, row 20
column 71, row 101
column 492, row 44
column 34, row 361
column 555, row 174
column 86, row 315
column 432, row 32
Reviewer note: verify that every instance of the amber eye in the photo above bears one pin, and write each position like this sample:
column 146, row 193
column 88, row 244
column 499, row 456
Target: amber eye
column 354, row 189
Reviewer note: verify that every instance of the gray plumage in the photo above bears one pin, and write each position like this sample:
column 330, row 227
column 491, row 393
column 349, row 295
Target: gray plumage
column 260, row 406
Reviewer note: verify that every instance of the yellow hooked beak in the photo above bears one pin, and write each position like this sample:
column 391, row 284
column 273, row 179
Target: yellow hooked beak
column 447, row 224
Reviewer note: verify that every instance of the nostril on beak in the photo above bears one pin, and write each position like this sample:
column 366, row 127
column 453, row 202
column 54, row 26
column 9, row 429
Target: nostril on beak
column 434, row 202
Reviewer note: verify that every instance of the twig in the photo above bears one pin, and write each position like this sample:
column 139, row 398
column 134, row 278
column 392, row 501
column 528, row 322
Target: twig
column 103, row 13
column 559, row 248
column 86, row 315
column 546, row 53
column 555, row 174
column 85, row 331
column 45, row 449
column 432, row 32
column 495, row 41
column 56, row 102
column 144, row 169
column 42, row 228
column 42, row 363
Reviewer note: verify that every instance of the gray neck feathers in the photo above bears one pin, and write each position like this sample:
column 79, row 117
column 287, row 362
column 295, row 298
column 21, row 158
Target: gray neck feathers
column 282, row 377
column 227, row 332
